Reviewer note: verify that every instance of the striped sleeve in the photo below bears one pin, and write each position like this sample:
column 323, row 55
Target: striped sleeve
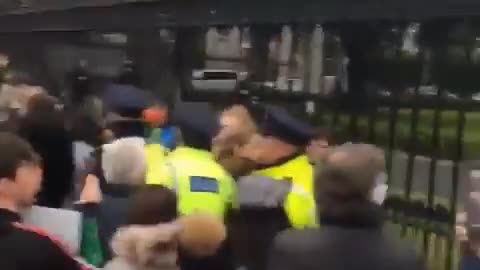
column 58, row 254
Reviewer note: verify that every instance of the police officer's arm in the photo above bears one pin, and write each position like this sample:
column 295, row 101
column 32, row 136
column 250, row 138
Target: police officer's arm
column 230, row 192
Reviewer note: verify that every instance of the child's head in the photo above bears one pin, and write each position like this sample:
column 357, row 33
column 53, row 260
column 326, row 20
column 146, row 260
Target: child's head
column 236, row 129
column 201, row 234
column 152, row 204
column 148, row 247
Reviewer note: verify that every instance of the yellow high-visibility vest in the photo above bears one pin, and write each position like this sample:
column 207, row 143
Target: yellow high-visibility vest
column 201, row 184
column 155, row 155
column 299, row 206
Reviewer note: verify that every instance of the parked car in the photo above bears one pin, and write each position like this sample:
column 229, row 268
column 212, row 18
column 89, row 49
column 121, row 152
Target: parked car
column 293, row 84
column 217, row 79
column 431, row 91
column 476, row 96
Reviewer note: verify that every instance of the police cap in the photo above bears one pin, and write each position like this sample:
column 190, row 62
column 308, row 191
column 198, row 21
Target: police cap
column 197, row 122
column 279, row 123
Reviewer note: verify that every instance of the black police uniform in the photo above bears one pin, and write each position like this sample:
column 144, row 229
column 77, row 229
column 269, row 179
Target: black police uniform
column 28, row 248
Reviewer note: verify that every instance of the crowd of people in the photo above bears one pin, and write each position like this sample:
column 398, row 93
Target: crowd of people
column 250, row 187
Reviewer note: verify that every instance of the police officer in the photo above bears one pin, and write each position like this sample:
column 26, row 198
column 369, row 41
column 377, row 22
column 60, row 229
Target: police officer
column 278, row 151
column 200, row 182
column 280, row 128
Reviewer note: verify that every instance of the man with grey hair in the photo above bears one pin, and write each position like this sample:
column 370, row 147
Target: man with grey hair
column 376, row 158
column 123, row 169
column 351, row 234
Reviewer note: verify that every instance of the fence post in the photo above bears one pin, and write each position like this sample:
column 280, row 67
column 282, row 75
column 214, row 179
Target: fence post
column 393, row 117
column 461, row 121
column 433, row 166
column 372, row 122
column 412, row 146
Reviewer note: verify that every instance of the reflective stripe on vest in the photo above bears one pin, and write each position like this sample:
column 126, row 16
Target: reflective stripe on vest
column 299, row 205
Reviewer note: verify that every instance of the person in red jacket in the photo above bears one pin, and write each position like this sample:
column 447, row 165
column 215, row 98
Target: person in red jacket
column 24, row 247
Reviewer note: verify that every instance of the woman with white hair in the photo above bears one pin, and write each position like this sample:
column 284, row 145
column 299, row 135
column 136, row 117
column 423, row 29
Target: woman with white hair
column 121, row 170
column 123, row 161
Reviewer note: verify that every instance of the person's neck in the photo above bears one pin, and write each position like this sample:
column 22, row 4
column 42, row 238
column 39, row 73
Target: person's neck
column 8, row 205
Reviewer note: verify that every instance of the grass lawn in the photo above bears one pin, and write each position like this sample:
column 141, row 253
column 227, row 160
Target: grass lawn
column 448, row 129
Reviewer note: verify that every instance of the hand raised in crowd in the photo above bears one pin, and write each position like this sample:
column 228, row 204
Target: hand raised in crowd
column 91, row 192
column 468, row 245
column 252, row 150
column 460, row 228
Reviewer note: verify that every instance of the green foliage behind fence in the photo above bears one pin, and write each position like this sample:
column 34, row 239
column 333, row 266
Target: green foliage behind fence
column 448, row 129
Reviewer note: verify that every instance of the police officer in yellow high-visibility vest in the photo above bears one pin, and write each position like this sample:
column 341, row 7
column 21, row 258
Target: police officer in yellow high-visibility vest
column 201, row 184
column 292, row 164
column 278, row 150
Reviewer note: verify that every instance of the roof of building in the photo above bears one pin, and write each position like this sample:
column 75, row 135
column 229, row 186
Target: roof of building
column 70, row 15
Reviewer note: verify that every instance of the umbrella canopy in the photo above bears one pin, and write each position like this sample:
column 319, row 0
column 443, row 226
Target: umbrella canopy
column 117, row 97
column 21, row 7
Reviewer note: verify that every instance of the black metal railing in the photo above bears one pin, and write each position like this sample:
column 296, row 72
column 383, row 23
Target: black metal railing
column 424, row 219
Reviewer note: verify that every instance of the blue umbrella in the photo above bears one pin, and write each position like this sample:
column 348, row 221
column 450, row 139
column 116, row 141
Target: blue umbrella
column 118, row 97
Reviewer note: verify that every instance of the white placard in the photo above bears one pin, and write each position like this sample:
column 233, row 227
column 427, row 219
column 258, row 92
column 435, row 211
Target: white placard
column 475, row 173
column 61, row 223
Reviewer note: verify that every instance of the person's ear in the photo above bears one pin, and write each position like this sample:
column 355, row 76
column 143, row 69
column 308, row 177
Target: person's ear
column 4, row 182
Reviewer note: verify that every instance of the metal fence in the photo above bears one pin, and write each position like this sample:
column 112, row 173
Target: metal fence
column 423, row 216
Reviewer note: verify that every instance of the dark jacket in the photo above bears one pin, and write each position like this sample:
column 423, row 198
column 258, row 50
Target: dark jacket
column 353, row 241
column 222, row 260
column 55, row 146
column 471, row 262
column 110, row 214
column 26, row 247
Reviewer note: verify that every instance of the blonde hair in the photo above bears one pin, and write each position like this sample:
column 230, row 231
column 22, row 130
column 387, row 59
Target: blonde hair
column 238, row 127
column 240, row 119
column 17, row 97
